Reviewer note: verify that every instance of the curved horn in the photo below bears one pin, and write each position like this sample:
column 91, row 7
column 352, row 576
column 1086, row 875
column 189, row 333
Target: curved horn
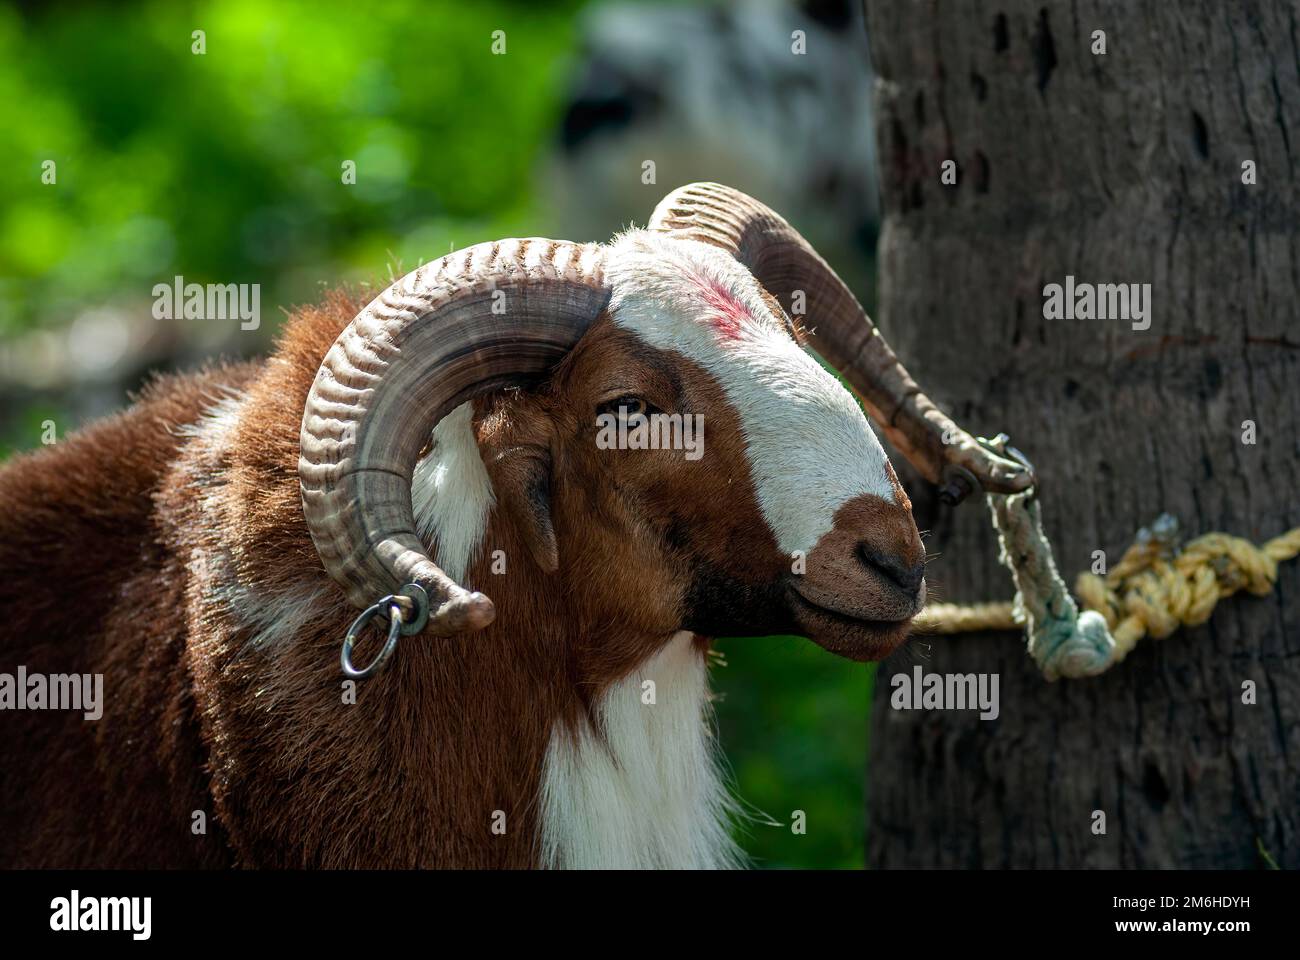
column 783, row 261
column 490, row 316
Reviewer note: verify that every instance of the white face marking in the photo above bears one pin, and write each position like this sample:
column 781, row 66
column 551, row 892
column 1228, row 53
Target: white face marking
column 642, row 791
column 810, row 448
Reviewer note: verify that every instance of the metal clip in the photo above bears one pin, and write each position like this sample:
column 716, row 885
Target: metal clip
column 407, row 611
column 957, row 483
column 1001, row 445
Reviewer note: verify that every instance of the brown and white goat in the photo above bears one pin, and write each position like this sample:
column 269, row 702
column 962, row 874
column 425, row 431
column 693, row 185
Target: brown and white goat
column 206, row 549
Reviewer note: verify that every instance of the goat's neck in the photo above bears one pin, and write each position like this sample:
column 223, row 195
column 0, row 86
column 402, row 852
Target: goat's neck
column 629, row 777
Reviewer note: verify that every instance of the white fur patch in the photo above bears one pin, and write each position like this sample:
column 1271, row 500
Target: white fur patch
column 641, row 789
column 810, row 448
column 274, row 618
column 451, row 494
column 217, row 420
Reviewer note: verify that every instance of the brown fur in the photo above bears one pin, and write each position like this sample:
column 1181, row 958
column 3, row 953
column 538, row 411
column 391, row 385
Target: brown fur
column 88, row 583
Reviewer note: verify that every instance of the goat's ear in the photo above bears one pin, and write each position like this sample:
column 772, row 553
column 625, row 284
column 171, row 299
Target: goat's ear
column 521, row 474
column 526, row 473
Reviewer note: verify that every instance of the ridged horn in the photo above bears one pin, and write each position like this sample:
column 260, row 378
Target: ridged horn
column 783, row 261
column 487, row 317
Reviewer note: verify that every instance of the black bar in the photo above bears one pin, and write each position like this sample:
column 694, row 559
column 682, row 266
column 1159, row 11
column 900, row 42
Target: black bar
column 1006, row 909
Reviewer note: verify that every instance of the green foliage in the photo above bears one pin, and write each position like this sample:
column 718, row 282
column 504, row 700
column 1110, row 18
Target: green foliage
column 227, row 166
column 35, row 421
column 793, row 725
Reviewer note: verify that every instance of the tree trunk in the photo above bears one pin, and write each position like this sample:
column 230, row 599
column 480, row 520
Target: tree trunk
column 1125, row 167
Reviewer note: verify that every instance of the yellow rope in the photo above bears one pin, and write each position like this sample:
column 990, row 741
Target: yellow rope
column 1153, row 590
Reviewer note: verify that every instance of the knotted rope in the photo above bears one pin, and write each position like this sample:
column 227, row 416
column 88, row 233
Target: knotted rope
column 1157, row 587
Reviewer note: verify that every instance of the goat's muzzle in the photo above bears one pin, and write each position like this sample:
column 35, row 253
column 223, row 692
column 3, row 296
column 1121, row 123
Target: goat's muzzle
column 864, row 580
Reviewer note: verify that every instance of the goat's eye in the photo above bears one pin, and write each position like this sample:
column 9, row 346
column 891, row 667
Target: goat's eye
column 625, row 406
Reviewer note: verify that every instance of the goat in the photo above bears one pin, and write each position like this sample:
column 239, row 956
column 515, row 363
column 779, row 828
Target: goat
column 205, row 550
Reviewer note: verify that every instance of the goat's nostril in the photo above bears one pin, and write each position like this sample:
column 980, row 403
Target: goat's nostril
column 904, row 576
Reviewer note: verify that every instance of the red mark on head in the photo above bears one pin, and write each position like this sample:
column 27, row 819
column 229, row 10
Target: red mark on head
column 727, row 314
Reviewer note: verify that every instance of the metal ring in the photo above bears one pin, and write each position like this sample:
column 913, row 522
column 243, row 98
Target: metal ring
column 396, row 618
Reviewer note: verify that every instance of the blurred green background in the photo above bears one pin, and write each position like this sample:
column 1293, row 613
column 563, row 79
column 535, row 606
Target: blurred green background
column 226, row 167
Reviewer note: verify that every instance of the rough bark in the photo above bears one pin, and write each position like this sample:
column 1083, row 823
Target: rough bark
column 1125, row 167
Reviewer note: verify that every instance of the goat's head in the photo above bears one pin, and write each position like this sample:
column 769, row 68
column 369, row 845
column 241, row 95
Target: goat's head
column 791, row 519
